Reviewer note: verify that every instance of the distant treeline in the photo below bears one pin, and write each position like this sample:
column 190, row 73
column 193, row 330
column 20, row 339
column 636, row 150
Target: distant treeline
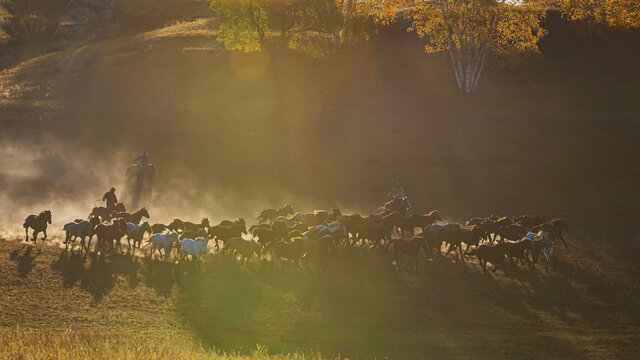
column 472, row 33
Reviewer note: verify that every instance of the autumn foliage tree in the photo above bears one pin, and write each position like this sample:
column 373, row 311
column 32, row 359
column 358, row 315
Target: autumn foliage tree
column 596, row 13
column 314, row 26
column 473, row 32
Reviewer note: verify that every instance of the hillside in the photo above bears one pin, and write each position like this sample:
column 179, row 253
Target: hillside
column 357, row 305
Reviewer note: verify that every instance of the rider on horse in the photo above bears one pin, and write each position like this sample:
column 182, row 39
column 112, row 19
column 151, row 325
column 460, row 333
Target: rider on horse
column 144, row 159
column 397, row 192
column 111, row 199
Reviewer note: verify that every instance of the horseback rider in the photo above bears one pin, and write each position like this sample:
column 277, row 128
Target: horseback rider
column 144, row 159
column 111, row 199
column 397, row 192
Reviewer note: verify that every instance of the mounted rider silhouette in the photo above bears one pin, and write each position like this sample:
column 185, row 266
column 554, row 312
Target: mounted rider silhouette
column 144, row 159
column 397, row 192
column 140, row 176
column 111, row 199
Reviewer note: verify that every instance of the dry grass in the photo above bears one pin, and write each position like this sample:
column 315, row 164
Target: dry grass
column 70, row 344
column 359, row 305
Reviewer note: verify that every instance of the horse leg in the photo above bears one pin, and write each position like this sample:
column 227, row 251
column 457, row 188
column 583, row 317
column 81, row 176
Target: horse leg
column 45, row 234
column 26, row 232
column 563, row 242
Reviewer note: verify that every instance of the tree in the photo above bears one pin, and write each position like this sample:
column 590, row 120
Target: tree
column 473, row 32
column 595, row 13
column 243, row 23
column 29, row 21
column 314, row 26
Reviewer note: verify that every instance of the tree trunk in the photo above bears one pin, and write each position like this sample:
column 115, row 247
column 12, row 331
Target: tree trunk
column 467, row 67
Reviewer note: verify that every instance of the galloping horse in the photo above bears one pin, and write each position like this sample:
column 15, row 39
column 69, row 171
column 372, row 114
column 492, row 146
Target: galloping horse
column 136, row 232
column 399, row 205
column 268, row 215
column 38, row 223
column 133, row 217
column 104, row 213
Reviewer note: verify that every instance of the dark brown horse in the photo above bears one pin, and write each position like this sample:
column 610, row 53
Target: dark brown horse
column 38, row 223
column 493, row 254
column 224, row 233
column 411, row 248
column 176, row 225
column 529, row 221
column 268, row 215
column 399, row 205
column 204, row 225
column 110, row 233
column 105, row 214
column 423, row 220
column 158, row 228
column 554, row 227
column 133, row 217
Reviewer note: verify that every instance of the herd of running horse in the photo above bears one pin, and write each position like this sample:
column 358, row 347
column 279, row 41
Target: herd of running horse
column 294, row 236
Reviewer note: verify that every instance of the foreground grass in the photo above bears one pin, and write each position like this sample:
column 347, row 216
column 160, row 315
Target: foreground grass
column 66, row 305
column 70, row 344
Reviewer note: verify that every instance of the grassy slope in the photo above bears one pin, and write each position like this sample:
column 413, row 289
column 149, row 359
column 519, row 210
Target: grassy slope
column 583, row 306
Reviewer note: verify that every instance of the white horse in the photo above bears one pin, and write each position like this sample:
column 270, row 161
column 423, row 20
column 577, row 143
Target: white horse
column 81, row 229
column 136, row 233
column 334, row 228
column 246, row 248
column 196, row 248
column 163, row 241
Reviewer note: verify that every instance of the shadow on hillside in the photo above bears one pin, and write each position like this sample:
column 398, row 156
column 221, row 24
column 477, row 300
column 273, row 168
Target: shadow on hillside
column 95, row 273
column 25, row 260
column 358, row 303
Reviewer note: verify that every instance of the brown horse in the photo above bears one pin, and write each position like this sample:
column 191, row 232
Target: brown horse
column 204, row 224
column 554, row 227
column 351, row 222
column 192, row 234
column 423, row 220
column 38, row 223
column 176, row 225
column 158, row 228
column 224, row 233
column 411, row 248
column 110, row 233
column 268, row 215
column 493, row 254
column 106, row 214
column 513, row 232
column 374, row 232
column 492, row 225
column 519, row 250
column 399, row 205
column 133, row 217
column 529, row 221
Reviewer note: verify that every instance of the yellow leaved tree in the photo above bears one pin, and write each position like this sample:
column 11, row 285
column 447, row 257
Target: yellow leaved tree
column 314, row 26
column 615, row 13
column 473, row 32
